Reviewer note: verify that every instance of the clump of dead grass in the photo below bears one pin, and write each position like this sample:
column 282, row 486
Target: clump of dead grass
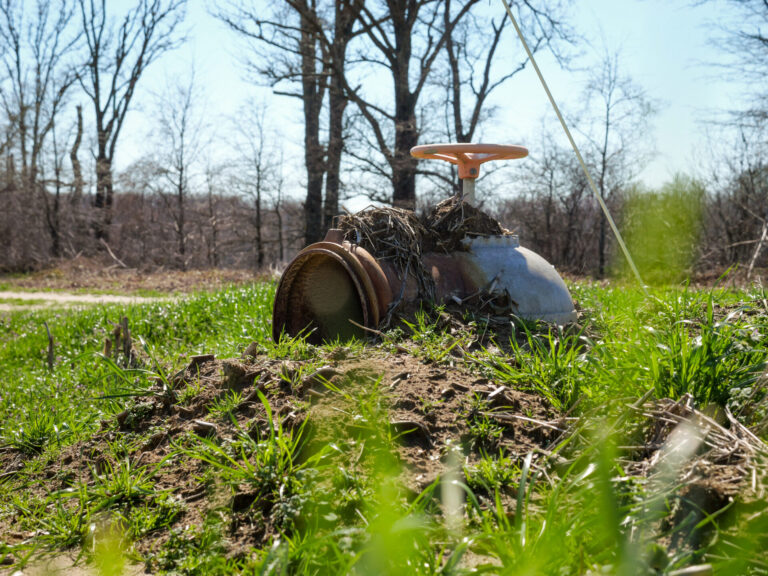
column 402, row 238
column 394, row 235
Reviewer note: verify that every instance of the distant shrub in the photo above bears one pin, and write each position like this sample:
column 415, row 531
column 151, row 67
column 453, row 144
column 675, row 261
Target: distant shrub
column 663, row 228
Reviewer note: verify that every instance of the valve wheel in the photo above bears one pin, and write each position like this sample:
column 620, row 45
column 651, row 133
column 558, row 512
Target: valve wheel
column 468, row 157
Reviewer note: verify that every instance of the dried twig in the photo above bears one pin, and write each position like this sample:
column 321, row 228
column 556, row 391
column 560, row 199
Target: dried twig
column 51, row 350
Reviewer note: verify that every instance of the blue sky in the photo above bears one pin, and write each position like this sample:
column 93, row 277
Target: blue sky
column 665, row 46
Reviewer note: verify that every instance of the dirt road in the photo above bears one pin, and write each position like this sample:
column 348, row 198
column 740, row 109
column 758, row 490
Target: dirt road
column 10, row 301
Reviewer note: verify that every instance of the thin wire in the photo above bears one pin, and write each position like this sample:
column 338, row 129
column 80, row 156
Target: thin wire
column 600, row 200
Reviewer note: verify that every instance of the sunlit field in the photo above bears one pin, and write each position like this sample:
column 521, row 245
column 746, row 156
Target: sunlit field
column 452, row 443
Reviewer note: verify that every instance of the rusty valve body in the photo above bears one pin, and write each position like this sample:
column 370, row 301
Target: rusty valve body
column 335, row 289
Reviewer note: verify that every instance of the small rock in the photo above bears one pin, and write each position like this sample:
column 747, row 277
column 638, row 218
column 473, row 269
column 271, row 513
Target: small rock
column 185, row 412
column 447, row 393
column 410, row 427
column 252, row 350
column 121, row 418
column 320, row 376
column 199, row 359
column 203, row 428
column 460, row 387
column 154, row 441
column 235, row 376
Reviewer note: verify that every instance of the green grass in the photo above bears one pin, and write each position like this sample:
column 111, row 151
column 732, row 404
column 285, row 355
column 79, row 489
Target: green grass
column 41, row 406
column 336, row 495
column 117, row 290
column 22, row 301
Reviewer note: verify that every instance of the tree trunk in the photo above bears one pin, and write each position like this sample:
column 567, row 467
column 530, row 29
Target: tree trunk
column 281, row 246
column 313, row 151
column 406, row 132
column 346, row 14
column 213, row 251
column 337, row 105
column 103, row 199
column 601, row 247
column 77, row 172
column 181, row 237
column 406, row 137
column 259, row 242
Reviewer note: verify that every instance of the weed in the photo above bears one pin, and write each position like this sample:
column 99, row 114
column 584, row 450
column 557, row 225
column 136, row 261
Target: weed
column 265, row 464
column 225, row 406
column 708, row 365
column 61, row 520
column 120, row 483
column 39, row 429
column 552, row 363
column 189, row 392
column 156, row 513
column 484, row 432
column 492, row 473
column 195, row 551
column 427, row 405
column 434, row 343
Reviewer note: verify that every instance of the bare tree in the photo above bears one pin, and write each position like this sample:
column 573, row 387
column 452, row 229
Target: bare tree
column 39, row 71
column 300, row 48
column 77, row 171
column 117, row 58
column 403, row 39
column 346, row 16
column 286, row 51
column 616, row 130
column 278, row 209
column 471, row 50
column 745, row 39
column 259, row 170
column 211, row 196
column 182, row 135
column 473, row 68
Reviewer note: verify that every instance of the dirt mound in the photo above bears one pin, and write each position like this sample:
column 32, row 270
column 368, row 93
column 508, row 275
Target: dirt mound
column 425, row 409
column 204, row 442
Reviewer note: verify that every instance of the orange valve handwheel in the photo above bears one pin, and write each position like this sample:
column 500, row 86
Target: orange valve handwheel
column 468, row 157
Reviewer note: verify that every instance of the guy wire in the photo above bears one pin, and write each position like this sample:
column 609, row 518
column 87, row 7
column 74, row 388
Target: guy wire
column 600, row 200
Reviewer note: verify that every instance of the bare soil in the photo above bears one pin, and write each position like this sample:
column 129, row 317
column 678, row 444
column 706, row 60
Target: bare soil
column 94, row 274
column 429, row 409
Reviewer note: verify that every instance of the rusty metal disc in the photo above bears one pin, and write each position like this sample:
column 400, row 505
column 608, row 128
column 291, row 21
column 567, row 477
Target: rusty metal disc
column 323, row 291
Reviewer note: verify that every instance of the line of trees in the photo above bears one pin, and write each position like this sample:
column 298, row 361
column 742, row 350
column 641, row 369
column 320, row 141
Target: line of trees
column 71, row 70
column 372, row 78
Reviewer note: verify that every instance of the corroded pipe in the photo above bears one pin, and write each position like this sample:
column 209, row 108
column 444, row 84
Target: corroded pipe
column 334, row 289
